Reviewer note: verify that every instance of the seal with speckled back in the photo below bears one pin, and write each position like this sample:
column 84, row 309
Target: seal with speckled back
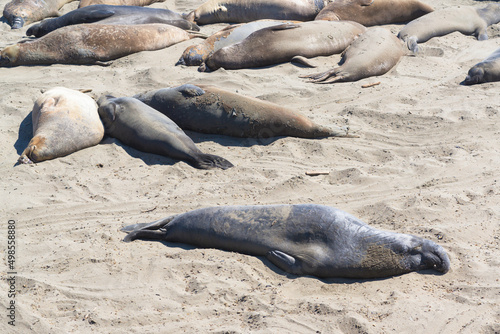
column 93, row 44
column 304, row 239
column 108, row 14
column 146, row 129
column 209, row 109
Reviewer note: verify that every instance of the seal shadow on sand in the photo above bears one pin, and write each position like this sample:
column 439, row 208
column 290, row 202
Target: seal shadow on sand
column 268, row 264
column 24, row 134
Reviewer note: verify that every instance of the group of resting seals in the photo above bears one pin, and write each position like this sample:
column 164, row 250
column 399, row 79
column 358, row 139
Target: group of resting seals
column 335, row 27
column 153, row 122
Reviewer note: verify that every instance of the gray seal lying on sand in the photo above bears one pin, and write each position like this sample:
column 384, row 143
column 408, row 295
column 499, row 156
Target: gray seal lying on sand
column 107, row 14
column 466, row 19
column 486, row 71
column 146, row 129
column 305, row 239
column 209, row 109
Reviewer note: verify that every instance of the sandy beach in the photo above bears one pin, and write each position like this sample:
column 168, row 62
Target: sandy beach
column 427, row 162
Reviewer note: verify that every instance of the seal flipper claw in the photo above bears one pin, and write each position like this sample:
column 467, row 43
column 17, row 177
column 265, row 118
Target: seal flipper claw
column 284, row 261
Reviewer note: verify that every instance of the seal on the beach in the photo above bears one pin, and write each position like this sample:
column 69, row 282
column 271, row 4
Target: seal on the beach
column 85, row 3
column 374, row 52
column 21, row 12
column 209, row 109
column 305, row 239
column 64, row 121
column 146, row 129
column 108, row 14
column 466, row 19
column 241, row 11
column 195, row 55
column 283, row 43
column 92, row 44
column 374, row 12
column 486, row 71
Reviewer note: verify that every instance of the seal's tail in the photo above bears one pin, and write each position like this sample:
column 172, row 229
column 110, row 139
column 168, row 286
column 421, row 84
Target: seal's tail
column 208, row 161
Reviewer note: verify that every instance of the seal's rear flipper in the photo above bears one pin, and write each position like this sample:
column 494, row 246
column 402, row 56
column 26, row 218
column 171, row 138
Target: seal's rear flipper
column 145, row 235
column 208, row 161
column 156, row 225
column 285, row 262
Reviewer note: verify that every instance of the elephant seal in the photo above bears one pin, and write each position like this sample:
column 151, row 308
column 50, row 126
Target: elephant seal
column 373, row 53
column 466, row 19
column 21, row 12
column 145, row 129
column 108, row 14
column 195, row 55
column 279, row 44
column 374, row 12
column 64, row 121
column 241, row 11
column 92, row 44
column 85, row 3
column 486, row 71
column 209, row 109
column 304, row 239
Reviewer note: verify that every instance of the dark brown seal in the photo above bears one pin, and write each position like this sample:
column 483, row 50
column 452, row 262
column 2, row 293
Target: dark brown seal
column 304, row 239
column 64, row 121
column 84, row 3
column 374, row 12
column 209, row 109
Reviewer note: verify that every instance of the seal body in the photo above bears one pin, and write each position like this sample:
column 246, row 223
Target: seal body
column 196, row 55
column 21, row 12
column 92, row 43
column 465, row 19
column 84, row 3
column 279, row 44
column 145, row 129
column 209, row 109
column 108, row 14
column 64, row 121
column 486, row 71
column 373, row 53
column 374, row 12
column 240, row 11
column 304, row 239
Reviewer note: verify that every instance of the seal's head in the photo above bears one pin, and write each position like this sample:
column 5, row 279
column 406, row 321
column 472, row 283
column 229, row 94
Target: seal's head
column 8, row 56
column 475, row 76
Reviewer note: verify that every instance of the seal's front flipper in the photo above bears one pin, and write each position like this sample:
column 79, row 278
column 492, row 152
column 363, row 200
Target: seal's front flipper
column 285, row 262
column 156, row 225
column 302, row 61
column 208, row 161
column 284, row 26
column 190, row 90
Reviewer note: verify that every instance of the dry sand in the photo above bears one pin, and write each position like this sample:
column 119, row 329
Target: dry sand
column 426, row 163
